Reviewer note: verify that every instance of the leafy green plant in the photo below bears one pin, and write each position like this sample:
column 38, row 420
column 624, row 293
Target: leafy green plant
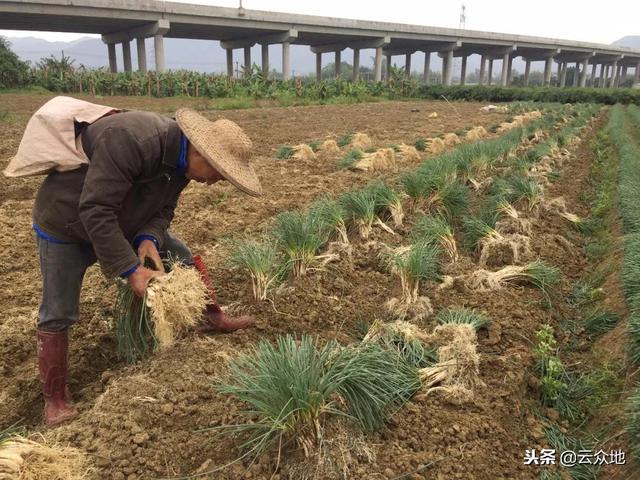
column 550, row 367
column 420, row 144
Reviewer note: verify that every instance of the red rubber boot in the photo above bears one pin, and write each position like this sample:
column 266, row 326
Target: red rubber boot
column 53, row 350
column 214, row 319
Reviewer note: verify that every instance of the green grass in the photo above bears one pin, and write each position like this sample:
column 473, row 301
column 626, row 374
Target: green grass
column 563, row 442
column 598, row 322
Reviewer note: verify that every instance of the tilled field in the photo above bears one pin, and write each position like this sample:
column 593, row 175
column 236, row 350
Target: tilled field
column 138, row 421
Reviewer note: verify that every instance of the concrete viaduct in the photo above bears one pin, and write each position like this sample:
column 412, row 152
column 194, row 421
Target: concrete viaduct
column 122, row 21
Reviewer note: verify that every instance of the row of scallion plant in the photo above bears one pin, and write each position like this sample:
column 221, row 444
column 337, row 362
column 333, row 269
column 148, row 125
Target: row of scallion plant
column 624, row 133
column 296, row 240
column 292, row 389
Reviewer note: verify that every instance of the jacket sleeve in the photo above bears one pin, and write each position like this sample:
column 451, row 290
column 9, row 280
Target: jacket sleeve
column 158, row 225
column 117, row 159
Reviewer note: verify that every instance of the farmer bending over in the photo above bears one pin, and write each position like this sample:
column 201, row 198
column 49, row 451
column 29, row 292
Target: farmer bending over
column 117, row 210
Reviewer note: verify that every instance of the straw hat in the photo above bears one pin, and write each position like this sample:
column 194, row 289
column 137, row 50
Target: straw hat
column 225, row 146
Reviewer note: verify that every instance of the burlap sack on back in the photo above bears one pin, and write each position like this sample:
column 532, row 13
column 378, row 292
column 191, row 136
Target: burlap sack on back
column 49, row 141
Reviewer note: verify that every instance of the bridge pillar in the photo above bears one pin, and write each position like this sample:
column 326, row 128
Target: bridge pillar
column 614, row 74
column 378, row 65
column 286, row 60
column 618, row 76
column 318, row 66
column 527, row 72
column 548, row 65
column 510, row 71
column 636, row 81
column 603, row 76
column 388, row 72
column 583, row 73
column 563, row 75
column 158, row 43
column 483, row 69
column 447, row 67
column 463, row 71
column 505, row 70
column 229, row 52
column 427, row 65
column 575, row 75
column 126, row 55
column 247, row 60
column 338, row 63
column 624, row 74
column 407, row 65
column 490, row 72
column 142, row 54
column 356, row 65
column 592, row 80
column 265, row 60
column 113, row 63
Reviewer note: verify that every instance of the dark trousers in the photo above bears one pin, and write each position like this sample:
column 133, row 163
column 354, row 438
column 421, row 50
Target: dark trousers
column 63, row 266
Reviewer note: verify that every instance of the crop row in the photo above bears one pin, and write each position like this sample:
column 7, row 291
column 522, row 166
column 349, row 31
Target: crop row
column 350, row 382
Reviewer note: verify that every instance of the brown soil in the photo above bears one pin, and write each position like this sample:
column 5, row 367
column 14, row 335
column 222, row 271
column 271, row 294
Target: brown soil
column 138, row 421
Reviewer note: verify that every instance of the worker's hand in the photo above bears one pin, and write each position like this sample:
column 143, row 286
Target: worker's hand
column 139, row 280
column 147, row 249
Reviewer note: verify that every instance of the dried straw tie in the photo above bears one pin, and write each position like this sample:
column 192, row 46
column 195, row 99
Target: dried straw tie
column 225, row 146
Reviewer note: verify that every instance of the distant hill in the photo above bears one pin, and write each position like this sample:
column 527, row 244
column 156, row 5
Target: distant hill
column 631, row 41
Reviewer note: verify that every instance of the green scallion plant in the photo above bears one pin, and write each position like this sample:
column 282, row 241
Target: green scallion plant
column 435, row 230
column 462, row 315
column 420, row 261
column 316, row 145
column 261, row 260
column 300, row 236
column 330, row 215
column 345, row 139
column 134, row 329
column 291, row 387
column 350, row 158
column 387, row 201
column 285, row 152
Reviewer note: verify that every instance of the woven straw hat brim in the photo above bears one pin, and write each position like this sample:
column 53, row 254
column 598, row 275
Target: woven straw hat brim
column 225, row 146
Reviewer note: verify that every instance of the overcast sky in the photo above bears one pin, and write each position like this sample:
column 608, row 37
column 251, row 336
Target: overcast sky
column 600, row 22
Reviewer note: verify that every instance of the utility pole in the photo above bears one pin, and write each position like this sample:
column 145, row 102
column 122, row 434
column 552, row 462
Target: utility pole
column 461, row 25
